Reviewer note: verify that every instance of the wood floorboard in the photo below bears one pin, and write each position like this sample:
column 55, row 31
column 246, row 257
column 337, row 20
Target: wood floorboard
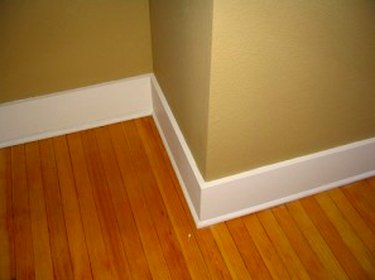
column 105, row 204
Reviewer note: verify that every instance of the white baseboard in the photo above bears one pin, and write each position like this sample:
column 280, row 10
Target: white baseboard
column 73, row 110
column 179, row 153
column 210, row 202
column 233, row 196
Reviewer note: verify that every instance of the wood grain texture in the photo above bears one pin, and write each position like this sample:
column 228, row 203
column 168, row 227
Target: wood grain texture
column 106, row 204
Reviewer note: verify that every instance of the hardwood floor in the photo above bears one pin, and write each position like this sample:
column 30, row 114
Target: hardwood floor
column 105, row 204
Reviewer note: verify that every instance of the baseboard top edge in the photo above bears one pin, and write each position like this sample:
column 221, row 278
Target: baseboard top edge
column 75, row 90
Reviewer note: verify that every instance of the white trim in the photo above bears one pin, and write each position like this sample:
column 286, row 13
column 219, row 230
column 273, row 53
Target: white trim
column 210, row 202
column 182, row 160
column 73, row 110
column 233, row 196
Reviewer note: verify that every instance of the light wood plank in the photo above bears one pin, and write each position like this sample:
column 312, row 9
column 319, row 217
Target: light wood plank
column 301, row 246
column 210, row 252
column 104, row 204
column 61, row 259
column 154, row 254
column 128, row 229
column 334, row 240
column 5, row 266
column 232, row 257
column 291, row 261
column 265, row 247
column 246, row 247
column 315, row 239
column 167, row 237
column 354, row 218
column 184, row 230
column 40, row 234
column 348, row 235
column 101, row 261
column 72, row 212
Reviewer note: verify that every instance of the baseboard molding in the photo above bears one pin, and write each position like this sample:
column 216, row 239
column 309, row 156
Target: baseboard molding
column 210, row 202
column 233, row 196
column 179, row 153
column 73, row 110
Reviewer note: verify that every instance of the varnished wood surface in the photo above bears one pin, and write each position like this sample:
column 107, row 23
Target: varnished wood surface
column 105, row 204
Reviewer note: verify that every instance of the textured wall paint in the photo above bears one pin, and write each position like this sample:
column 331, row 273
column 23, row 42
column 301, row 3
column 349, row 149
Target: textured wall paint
column 288, row 78
column 181, row 43
column 48, row 46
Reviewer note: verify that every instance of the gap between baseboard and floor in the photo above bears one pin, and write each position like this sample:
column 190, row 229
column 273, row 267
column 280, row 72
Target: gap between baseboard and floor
column 209, row 201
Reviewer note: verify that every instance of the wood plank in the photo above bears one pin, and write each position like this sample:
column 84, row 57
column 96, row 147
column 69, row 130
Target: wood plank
column 128, row 229
column 24, row 252
column 72, row 213
column 104, row 204
column 101, row 261
column 286, row 252
column 249, row 252
column 232, row 257
column 334, row 240
column 146, row 229
column 147, row 185
column 301, row 246
column 40, row 234
column 185, row 232
column 346, row 232
column 315, row 239
column 354, row 218
column 5, row 256
column 265, row 247
column 60, row 253
column 10, row 212
column 359, row 201
column 180, row 214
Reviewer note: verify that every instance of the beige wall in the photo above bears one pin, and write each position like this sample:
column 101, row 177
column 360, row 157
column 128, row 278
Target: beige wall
column 48, row 46
column 181, row 42
column 288, row 78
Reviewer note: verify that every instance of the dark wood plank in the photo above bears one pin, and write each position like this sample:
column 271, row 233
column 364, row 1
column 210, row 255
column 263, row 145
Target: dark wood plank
column 72, row 212
column 23, row 243
column 5, row 255
column 39, row 223
column 61, row 259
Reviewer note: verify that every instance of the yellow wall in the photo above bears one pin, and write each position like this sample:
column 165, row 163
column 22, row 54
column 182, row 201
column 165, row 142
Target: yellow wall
column 250, row 82
column 288, row 78
column 181, row 43
column 48, row 46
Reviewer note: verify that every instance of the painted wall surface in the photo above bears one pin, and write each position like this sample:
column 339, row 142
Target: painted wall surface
column 181, row 43
column 48, row 46
column 288, row 78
